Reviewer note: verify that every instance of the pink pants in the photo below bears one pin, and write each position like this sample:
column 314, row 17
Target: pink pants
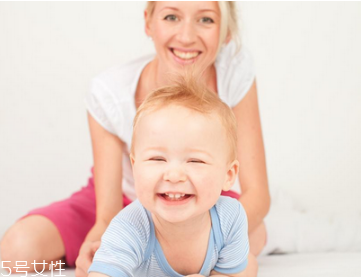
column 75, row 216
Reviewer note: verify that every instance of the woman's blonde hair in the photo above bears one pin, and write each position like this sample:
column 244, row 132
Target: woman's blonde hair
column 189, row 93
column 229, row 25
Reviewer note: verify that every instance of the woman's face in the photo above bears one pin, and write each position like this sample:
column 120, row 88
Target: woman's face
column 185, row 33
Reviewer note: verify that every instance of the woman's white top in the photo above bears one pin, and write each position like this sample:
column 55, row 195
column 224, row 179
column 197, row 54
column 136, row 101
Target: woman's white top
column 111, row 99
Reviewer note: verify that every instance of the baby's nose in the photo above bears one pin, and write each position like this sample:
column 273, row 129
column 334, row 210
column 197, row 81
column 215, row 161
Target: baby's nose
column 175, row 175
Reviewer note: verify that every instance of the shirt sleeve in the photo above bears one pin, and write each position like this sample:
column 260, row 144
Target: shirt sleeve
column 236, row 72
column 102, row 104
column 233, row 257
column 243, row 76
column 121, row 250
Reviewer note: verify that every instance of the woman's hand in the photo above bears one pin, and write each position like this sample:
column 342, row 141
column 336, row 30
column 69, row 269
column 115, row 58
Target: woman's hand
column 90, row 245
column 85, row 258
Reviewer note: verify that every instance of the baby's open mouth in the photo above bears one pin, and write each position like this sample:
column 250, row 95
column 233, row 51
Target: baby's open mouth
column 185, row 55
column 175, row 196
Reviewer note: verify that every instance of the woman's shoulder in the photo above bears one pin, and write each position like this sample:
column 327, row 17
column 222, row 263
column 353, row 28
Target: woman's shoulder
column 235, row 73
column 123, row 76
column 111, row 94
column 231, row 55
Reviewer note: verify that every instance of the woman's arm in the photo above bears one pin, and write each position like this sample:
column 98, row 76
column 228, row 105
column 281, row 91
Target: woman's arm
column 108, row 155
column 255, row 196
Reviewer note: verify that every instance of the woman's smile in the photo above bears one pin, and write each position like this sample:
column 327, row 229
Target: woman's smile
column 185, row 57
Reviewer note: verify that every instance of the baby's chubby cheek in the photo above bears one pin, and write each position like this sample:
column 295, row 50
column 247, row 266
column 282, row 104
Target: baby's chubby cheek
column 145, row 182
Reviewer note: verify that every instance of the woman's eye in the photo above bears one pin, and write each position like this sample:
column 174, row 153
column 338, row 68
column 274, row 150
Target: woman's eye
column 207, row 20
column 171, row 17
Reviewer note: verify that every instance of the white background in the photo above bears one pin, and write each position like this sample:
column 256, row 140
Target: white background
column 308, row 62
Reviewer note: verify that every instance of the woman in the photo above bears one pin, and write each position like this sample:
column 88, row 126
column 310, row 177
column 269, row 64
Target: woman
column 184, row 34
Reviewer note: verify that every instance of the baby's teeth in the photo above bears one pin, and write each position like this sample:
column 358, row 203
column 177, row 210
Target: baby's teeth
column 174, row 196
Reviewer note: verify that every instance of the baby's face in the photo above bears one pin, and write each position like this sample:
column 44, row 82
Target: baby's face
column 181, row 162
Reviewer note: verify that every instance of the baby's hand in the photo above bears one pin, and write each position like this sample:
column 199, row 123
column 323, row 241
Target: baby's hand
column 85, row 257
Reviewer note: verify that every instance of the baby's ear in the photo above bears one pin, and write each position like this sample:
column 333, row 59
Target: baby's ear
column 231, row 175
column 131, row 159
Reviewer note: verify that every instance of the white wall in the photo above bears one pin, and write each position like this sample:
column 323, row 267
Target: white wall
column 309, row 66
column 308, row 70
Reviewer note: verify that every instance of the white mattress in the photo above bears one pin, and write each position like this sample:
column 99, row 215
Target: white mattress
column 312, row 264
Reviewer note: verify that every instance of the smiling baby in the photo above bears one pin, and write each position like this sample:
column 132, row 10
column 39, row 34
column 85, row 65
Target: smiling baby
column 183, row 155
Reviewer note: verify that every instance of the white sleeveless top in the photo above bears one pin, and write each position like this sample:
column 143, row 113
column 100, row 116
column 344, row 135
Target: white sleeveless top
column 111, row 99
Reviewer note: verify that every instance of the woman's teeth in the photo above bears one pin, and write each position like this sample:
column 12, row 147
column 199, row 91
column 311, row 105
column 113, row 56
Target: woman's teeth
column 185, row 55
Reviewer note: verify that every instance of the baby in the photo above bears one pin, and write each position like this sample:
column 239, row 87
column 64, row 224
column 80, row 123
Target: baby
column 183, row 155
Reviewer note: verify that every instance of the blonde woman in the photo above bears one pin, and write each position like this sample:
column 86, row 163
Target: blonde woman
column 202, row 35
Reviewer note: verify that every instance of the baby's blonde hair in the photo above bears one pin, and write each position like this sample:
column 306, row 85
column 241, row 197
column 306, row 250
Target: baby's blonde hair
column 229, row 25
column 189, row 93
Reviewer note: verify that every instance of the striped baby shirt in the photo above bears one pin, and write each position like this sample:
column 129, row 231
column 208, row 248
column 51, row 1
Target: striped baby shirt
column 129, row 246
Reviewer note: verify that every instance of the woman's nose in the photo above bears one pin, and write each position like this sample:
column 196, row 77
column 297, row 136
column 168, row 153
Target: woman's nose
column 175, row 174
column 187, row 33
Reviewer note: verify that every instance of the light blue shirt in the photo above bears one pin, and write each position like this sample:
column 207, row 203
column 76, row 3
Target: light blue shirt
column 129, row 246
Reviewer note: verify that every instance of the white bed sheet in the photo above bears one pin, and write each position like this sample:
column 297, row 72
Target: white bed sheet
column 311, row 264
column 291, row 265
